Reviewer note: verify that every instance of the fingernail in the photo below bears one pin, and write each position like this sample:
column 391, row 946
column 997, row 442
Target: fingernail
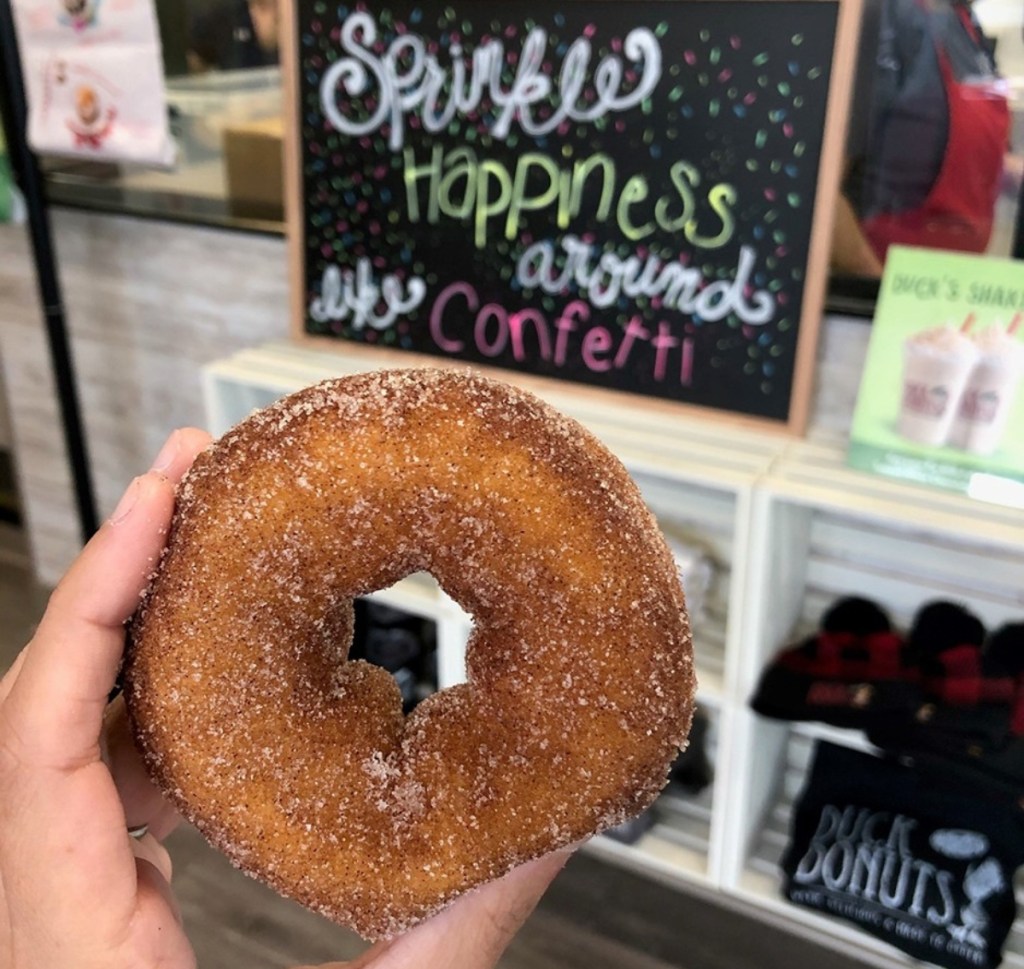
column 167, row 454
column 127, row 502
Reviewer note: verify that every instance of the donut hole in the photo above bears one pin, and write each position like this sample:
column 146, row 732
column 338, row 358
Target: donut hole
column 401, row 642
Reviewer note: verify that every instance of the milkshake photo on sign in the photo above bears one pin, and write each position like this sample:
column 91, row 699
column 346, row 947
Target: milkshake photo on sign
column 982, row 417
column 940, row 401
column 937, row 363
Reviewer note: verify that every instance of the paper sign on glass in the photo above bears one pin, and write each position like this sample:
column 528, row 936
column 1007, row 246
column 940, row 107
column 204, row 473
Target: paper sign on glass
column 94, row 80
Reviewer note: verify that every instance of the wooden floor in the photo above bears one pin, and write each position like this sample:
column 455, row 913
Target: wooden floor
column 595, row 916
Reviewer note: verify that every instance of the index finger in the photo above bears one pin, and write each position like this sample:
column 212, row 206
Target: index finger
column 55, row 705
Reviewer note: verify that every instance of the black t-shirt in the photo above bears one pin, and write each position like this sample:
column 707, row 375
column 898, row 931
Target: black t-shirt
column 920, row 860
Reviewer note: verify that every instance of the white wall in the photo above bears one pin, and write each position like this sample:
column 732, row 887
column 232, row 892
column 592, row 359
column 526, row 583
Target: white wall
column 147, row 304
column 1003, row 20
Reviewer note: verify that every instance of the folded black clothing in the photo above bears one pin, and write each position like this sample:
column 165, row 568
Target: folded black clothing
column 854, row 671
column 1004, row 655
column 972, row 706
column 971, row 723
column 692, row 768
column 924, row 862
column 942, row 625
column 1000, row 763
column 997, row 766
column 958, row 667
column 967, row 744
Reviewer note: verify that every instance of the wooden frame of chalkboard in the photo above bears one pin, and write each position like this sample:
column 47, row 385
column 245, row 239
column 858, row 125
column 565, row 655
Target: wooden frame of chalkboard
column 635, row 197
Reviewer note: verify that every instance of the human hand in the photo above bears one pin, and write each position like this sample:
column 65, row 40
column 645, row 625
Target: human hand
column 474, row 931
column 75, row 890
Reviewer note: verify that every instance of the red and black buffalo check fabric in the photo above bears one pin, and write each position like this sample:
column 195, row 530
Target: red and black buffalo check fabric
column 949, row 693
column 856, row 668
column 972, row 719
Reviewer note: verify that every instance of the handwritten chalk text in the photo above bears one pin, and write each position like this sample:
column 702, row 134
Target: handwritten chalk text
column 361, row 92
column 457, row 184
column 604, row 277
column 529, row 335
column 357, row 296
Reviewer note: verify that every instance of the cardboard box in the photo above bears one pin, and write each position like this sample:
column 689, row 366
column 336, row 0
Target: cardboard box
column 253, row 161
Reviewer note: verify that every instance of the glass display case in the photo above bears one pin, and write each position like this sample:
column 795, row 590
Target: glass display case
column 228, row 125
column 228, row 129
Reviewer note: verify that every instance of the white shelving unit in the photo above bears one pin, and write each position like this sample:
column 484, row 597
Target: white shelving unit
column 790, row 529
column 821, row 531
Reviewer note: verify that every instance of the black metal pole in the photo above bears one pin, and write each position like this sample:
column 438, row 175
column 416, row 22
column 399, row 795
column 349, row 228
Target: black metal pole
column 26, row 169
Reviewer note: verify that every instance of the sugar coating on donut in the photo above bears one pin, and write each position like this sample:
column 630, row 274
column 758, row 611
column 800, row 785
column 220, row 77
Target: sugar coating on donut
column 298, row 764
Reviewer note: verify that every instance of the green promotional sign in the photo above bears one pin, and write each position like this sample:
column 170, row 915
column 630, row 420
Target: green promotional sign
column 940, row 401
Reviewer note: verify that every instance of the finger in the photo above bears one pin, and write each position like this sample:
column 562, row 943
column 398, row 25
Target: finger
column 157, row 935
column 474, row 931
column 55, row 706
column 179, row 451
column 143, row 802
column 147, row 848
column 11, row 675
column 152, row 881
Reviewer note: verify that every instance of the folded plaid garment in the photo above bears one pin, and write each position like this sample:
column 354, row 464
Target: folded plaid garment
column 854, row 672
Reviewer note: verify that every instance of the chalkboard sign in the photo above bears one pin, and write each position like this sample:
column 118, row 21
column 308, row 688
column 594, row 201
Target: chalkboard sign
column 632, row 196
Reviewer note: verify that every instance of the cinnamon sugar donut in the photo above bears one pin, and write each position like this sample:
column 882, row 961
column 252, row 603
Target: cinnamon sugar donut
column 299, row 765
